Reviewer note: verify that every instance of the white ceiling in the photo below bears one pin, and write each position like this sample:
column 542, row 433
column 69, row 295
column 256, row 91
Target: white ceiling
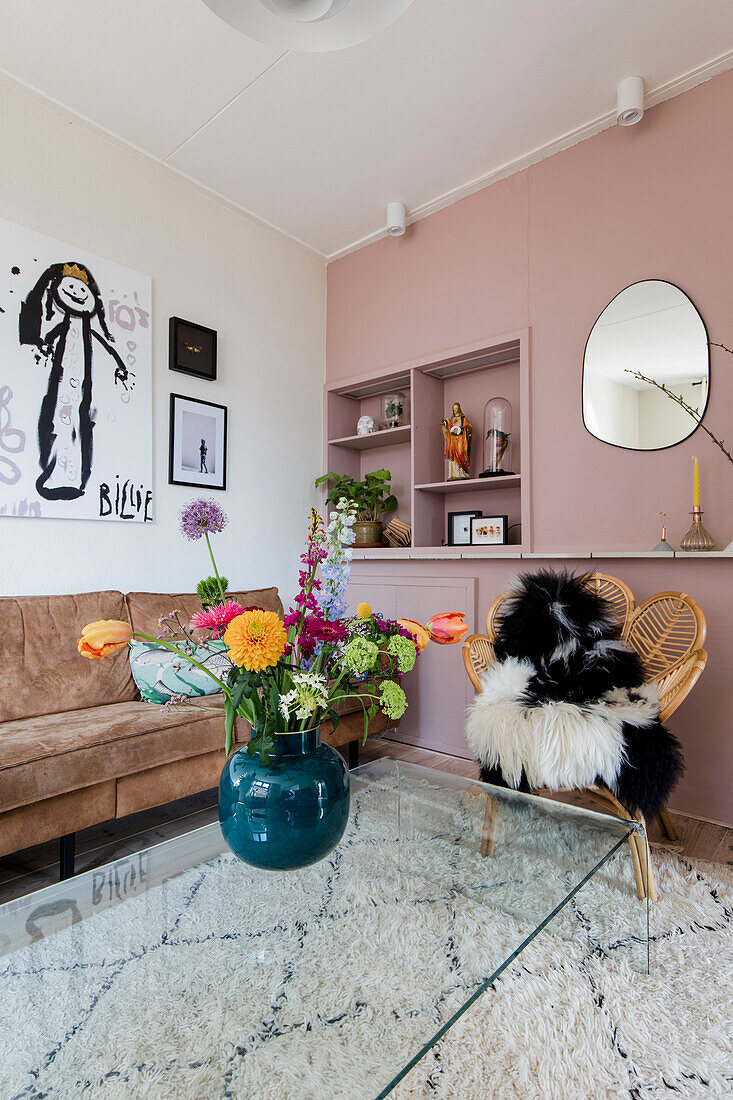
column 454, row 94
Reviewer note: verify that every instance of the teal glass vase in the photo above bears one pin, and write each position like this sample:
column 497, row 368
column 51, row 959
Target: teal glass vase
column 289, row 813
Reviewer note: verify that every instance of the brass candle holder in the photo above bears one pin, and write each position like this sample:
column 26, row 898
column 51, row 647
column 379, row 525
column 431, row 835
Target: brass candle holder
column 697, row 537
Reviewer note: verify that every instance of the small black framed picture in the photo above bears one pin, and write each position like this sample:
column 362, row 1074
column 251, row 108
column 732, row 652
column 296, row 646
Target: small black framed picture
column 489, row 531
column 459, row 528
column 192, row 349
column 197, row 445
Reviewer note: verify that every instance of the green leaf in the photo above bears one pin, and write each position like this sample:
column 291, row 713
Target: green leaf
column 230, row 715
column 238, row 694
column 335, row 718
column 371, row 496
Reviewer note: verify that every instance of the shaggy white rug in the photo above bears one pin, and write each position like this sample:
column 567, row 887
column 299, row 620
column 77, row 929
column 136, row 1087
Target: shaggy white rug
column 225, row 983
column 563, row 1025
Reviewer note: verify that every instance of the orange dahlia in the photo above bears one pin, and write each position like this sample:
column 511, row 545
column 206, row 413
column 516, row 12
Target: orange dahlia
column 256, row 639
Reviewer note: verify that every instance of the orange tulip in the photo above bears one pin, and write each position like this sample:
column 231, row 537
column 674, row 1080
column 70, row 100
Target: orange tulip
column 104, row 637
column 418, row 631
column 448, row 627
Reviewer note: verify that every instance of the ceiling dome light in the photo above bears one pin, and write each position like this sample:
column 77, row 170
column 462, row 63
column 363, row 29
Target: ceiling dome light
column 305, row 11
column 310, row 25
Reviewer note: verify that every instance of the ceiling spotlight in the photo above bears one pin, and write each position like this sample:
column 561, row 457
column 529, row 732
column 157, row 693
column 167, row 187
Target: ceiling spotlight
column 630, row 100
column 310, row 25
column 396, row 218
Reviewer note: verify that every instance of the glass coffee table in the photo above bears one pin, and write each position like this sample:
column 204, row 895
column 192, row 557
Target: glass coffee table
column 180, row 972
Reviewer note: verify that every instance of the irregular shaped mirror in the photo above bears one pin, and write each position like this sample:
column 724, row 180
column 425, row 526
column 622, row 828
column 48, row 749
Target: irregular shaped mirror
column 653, row 329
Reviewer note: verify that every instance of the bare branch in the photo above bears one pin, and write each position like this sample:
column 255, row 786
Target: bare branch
column 712, row 344
column 683, row 404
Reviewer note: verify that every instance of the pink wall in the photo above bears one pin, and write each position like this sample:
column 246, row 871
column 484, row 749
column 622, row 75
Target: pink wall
column 548, row 248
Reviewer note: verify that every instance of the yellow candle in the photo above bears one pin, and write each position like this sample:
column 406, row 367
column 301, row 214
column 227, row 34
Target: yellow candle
column 695, row 483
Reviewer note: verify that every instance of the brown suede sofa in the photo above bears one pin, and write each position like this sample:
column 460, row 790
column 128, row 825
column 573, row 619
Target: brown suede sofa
column 77, row 744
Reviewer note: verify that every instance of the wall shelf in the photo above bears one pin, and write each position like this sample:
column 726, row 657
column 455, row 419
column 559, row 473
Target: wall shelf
column 470, row 375
column 387, row 437
column 481, row 484
column 506, row 553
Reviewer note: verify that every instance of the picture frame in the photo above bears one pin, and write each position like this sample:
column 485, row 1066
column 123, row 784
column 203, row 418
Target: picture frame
column 459, row 527
column 197, row 443
column 192, row 349
column 489, row 530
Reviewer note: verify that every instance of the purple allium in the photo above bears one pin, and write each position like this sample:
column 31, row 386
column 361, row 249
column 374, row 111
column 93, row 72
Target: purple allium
column 202, row 517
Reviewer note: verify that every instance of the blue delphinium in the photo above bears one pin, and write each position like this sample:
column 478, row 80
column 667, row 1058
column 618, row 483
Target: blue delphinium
column 336, row 567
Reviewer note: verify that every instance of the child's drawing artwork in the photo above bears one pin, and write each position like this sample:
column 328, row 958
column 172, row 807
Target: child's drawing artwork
column 75, row 383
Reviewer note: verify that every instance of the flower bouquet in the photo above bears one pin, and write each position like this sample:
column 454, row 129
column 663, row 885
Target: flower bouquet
column 287, row 675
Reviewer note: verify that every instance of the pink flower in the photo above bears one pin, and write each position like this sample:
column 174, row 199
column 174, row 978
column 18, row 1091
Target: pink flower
column 216, row 617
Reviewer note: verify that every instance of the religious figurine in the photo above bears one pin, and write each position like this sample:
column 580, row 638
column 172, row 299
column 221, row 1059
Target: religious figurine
column 457, row 433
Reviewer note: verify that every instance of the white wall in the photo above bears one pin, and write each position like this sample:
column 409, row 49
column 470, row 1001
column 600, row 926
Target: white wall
column 611, row 410
column 266, row 298
column 660, row 419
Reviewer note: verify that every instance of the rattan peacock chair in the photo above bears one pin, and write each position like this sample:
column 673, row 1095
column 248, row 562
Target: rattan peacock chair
column 668, row 632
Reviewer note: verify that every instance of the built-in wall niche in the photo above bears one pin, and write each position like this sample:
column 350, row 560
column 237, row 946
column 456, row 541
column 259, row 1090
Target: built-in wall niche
column 349, row 453
column 414, row 452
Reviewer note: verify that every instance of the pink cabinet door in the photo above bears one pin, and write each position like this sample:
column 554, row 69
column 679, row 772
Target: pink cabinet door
column 438, row 690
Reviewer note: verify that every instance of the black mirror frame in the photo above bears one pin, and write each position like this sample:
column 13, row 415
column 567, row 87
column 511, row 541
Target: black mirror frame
column 668, row 446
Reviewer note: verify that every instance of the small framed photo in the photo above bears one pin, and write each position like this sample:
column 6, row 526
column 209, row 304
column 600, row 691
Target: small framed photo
column 191, row 349
column 197, row 446
column 489, row 531
column 459, row 528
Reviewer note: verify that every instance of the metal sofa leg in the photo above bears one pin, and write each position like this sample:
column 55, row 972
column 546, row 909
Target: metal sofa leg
column 67, row 850
column 353, row 754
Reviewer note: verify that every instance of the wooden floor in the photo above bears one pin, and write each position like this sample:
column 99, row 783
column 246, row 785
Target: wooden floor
column 38, row 866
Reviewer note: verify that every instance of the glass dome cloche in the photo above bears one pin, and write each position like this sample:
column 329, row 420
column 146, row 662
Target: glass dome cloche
column 393, row 409
column 497, row 438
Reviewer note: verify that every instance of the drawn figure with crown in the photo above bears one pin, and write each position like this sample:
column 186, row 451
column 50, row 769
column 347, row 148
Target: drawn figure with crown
column 63, row 316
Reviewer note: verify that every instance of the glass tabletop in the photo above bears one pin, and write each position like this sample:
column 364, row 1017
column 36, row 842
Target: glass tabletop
column 183, row 970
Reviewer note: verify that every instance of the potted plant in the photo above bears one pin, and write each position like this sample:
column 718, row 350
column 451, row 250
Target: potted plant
column 371, row 498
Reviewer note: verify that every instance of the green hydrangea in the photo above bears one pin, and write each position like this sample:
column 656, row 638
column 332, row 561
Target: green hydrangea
column 404, row 652
column 360, row 655
column 393, row 699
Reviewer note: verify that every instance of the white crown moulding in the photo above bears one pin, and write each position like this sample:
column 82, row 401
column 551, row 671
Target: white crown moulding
column 310, row 26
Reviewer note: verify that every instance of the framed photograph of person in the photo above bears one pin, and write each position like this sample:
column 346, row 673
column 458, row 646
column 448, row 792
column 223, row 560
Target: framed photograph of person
column 489, row 531
column 197, row 446
column 191, row 349
column 459, row 528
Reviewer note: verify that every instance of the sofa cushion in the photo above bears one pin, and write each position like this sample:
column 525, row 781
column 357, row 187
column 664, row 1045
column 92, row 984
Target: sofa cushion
column 41, row 671
column 54, row 753
column 146, row 608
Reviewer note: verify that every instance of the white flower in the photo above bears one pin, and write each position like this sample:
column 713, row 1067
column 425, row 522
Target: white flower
column 308, row 694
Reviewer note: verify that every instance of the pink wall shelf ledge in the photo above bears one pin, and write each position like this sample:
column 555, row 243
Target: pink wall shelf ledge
column 458, row 553
column 471, row 485
column 387, row 437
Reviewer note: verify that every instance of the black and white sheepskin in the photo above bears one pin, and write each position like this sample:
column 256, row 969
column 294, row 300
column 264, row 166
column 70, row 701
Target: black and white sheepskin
column 565, row 703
